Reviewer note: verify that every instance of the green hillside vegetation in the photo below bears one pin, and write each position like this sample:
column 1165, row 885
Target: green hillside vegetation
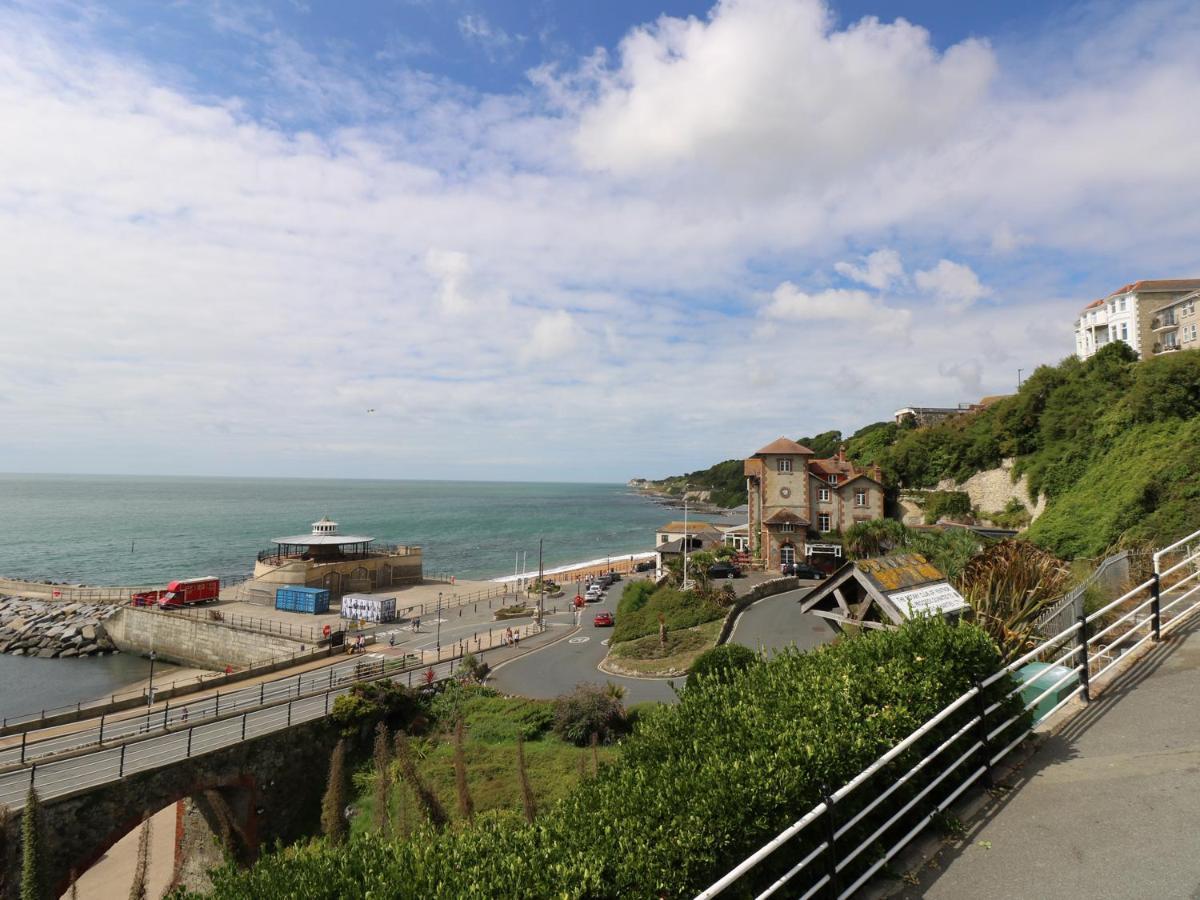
column 492, row 725
column 694, row 789
column 725, row 481
column 1111, row 442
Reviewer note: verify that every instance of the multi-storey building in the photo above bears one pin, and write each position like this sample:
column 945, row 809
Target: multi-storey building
column 1152, row 317
column 794, row 499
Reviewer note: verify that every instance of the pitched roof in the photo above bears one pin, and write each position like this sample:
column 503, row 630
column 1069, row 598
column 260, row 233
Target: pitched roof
column 784, row 446
column 693, row 527
column 786, row 516
column 1162, row 284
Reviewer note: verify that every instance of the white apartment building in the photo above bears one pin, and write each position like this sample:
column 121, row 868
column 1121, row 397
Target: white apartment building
column 1152, row 317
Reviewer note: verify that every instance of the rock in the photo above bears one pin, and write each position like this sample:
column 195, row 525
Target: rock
column 47, row 653
column 18, row 653
column 70, row 651
column 15, row 625
column 88, row 632
column 88, row 649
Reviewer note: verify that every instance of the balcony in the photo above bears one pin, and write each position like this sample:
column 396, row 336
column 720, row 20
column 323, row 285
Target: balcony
column 1164, row 348
column 1158, row 323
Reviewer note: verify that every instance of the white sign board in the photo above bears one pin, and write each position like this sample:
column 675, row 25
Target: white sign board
column 932, row 598
column 368, row 609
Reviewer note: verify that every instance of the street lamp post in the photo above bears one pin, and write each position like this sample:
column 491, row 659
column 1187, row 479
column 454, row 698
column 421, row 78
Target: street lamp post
column 439, row 622
column 684, row 585
column 150, row 689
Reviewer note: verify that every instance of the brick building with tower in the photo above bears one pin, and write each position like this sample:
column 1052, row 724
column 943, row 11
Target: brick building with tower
column 795, row 499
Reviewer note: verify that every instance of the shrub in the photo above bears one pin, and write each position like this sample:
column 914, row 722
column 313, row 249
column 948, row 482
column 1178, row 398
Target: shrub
column 1009, row 586
column 721, row 663
column 586, row 711
column 697, row 787
column 370, row 702
column 953, row 505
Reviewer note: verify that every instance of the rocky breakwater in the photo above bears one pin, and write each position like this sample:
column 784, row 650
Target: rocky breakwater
column 47, row 630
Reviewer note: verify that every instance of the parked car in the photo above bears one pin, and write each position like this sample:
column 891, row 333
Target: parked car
column 724, row 570
column 615, row 576
column 594, row 593
column 646, row 565
column 802, row 570
column 602, row 620
column 605, row 580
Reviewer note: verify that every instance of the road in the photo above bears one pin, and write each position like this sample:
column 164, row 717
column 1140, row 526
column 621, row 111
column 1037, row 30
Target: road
column 776, row 622
column 557, row 668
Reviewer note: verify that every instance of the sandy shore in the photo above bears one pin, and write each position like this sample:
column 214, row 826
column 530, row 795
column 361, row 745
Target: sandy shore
column 623, row 563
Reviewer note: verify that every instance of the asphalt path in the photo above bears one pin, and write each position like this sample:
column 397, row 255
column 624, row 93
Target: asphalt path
column 776, row 622
column 574, row 659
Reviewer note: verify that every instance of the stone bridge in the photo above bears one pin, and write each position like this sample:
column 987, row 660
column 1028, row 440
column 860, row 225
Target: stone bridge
column 233, row 800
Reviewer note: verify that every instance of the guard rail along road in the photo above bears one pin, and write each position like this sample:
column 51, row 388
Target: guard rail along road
column 833, row 848
column 166, row 736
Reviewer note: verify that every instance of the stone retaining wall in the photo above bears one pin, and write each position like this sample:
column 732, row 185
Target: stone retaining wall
column 195, row 642
column 990, row 491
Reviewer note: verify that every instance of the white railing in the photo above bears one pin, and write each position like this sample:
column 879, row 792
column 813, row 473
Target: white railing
column 1086, row 652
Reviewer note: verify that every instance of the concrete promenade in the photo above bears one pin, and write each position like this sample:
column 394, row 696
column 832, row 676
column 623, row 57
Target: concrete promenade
column 1108, row 806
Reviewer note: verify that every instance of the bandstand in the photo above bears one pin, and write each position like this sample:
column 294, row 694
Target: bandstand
column 342, row 563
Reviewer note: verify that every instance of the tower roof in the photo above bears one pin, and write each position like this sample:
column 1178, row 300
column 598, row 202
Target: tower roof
column 782, row 446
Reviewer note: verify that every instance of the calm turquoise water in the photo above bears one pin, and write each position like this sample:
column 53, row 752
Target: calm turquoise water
column 82, row 528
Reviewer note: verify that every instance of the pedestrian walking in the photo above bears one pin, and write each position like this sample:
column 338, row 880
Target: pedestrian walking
column 517, row 638
column 392, row 639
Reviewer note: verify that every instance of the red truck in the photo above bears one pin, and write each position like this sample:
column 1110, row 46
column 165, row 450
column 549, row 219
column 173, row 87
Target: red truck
column 188, row 592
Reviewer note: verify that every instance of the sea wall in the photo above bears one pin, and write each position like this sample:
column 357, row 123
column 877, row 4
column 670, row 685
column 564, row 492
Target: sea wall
column 47, row 629
column 194, row 642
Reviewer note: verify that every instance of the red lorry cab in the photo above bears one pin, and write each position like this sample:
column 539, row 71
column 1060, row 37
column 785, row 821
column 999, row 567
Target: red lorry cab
column 186, row 592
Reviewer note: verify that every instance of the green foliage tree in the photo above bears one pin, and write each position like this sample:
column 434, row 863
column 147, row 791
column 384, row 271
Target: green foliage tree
column 33, row 886
column 333, row 804
column 721, row 663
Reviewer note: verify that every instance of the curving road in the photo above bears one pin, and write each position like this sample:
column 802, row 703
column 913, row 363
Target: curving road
column 776, row 622
column 573, row 659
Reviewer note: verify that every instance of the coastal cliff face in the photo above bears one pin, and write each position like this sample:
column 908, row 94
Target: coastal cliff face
column 992, row 489
column 48, row 630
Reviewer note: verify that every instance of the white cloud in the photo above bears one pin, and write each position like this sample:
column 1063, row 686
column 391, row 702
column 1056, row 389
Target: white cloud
column 954, row 285
column 554, row 335
column 880, row 269
column 772, row 82
column 476, row 29
column 790, row 304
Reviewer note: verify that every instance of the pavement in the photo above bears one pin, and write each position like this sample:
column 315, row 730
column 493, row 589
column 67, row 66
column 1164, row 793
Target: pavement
column 1108, row 806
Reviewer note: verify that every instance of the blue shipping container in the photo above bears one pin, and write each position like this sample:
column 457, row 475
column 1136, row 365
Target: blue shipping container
column 302, row 599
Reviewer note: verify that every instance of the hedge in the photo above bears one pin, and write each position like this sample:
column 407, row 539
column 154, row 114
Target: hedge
column 698, row 786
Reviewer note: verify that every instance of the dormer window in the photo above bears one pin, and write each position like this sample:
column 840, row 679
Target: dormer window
column 833, row 479
column 785, row 464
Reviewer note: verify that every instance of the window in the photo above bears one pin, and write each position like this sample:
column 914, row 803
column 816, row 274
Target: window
column 833, row 479
column 787, row 526
column 785, row 464
column 1125, row 331
column 1121, row 304
column 1112, row 332
column 823, row 493
column 823, row 522
column 860, row 498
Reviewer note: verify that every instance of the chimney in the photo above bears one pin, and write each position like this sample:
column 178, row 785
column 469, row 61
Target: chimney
column 841, row 454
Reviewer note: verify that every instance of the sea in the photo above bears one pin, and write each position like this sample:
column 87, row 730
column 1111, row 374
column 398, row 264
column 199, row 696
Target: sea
column 123, row 530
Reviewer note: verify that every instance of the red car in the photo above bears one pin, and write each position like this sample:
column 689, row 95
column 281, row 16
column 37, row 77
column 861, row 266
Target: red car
column 603, row 618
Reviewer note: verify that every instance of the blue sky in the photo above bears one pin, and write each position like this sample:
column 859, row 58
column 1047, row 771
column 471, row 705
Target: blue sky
column 560, row 240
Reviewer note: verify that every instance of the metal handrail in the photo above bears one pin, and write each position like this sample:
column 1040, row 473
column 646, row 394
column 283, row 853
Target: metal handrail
column 14, row 784
column 1088, row 649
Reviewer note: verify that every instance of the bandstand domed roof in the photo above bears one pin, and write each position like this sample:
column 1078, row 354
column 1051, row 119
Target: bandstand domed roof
column 324, row 534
